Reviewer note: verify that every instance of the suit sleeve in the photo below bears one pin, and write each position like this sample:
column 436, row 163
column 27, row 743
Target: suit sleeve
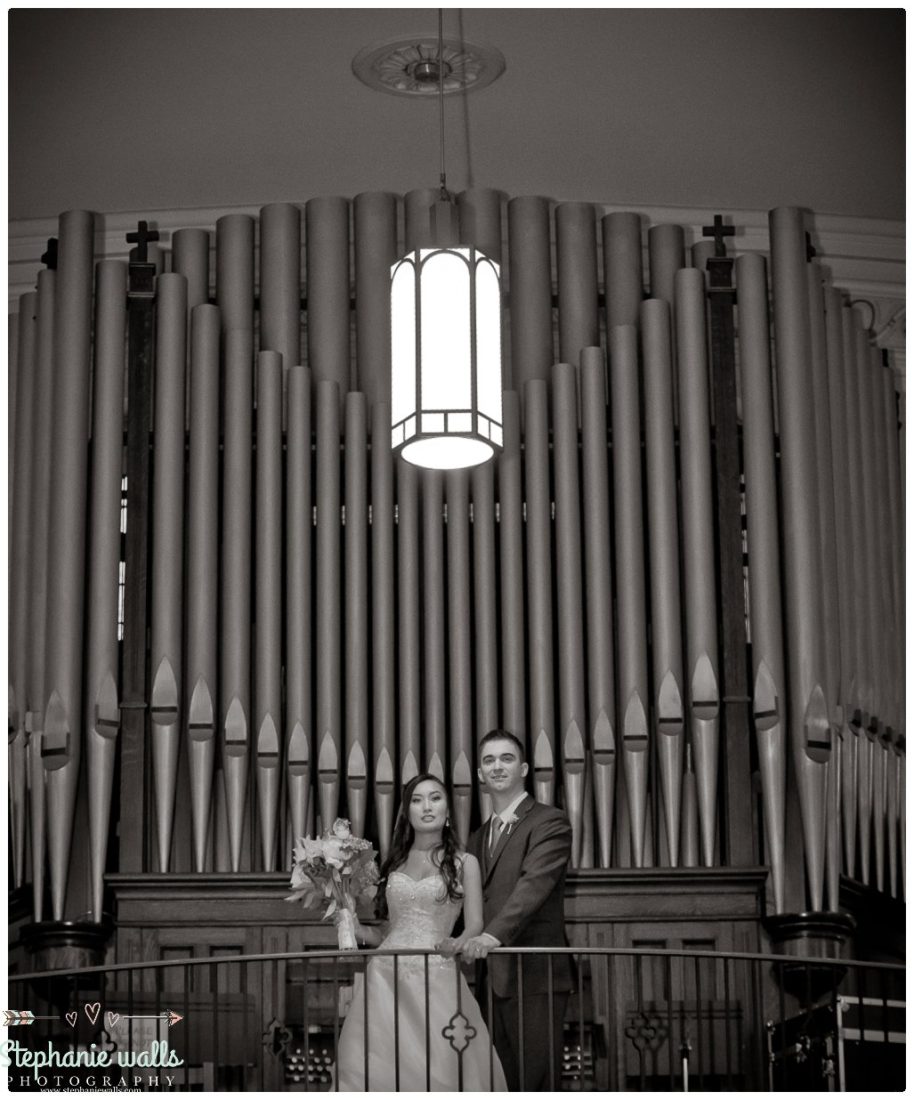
column 543, row 866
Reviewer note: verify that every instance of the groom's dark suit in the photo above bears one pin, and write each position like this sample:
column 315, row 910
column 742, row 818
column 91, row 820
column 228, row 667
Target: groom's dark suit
column 523, row 893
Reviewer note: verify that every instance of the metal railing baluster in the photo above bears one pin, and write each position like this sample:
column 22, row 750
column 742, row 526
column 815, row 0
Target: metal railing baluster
column 214, row 997
column 187, row 1024
column 727, row 1024
column 490, row 1020
column 306, row 1026
column 550, row 995
column 428, row 1036
column 669, row 1021
column 698, row 1028
column 336, row 1022
column 459, row 1012
column 520, row 1022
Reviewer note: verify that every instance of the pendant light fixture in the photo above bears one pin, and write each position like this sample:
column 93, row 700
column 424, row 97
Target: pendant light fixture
column 445, row 331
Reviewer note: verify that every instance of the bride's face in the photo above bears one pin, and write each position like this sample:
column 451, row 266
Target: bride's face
column 428, row 807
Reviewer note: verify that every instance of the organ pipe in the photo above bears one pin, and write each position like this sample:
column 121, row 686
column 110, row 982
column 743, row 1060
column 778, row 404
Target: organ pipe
column 663, row 549
column 880, row 618
column 769, row 701
column 576, row 262
column 61, row 742
column 328, row 658
column 598, row 586
column 622, row 274
column 460, row 674
column 863, row 575
column 268, row 600
column 530, row 280
column 434, row 681
column 357, row 747
column 666, row 255
column 24, row 425
column 190, row 258
column 698, row 543
column 630, row 582
column 166, row 638
column 375, row 224
column 845, row 571
column 539, row 590
column 572, row 727
column 383, row 627
column 825, row 492
column 417, row 209
column 102, row 700
column 810, row 731
column 485, row 614
column 12, row 351
column 235, row 647
column 895, row 549
column 235, row 271
column 298, row 609
column 327, row 284
column 511, row 548
column 408, row 591
column 280, row 277
column 202, row 569
column 39, row 519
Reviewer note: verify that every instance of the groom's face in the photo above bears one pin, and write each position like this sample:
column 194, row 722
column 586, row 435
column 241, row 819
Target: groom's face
column 501, row 768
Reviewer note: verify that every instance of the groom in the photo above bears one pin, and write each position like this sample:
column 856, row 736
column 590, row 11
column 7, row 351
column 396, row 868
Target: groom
column 523, row 851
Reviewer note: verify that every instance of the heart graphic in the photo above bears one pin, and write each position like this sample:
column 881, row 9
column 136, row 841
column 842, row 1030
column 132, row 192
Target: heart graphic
column 113, row 1018
column 71, row 1019
column 92, row 1011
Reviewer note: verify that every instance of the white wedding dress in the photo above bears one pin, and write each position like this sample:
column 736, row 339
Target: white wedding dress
column 440, row 1040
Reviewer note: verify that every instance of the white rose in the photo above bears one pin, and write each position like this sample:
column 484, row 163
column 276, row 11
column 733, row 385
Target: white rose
column 341, row 829
column 333, row 853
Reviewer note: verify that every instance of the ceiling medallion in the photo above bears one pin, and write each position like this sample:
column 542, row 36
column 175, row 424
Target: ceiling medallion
column 409, row 66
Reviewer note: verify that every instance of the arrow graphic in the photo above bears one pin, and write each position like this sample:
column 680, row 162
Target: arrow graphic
column 169, row 1015
column 21, row 1017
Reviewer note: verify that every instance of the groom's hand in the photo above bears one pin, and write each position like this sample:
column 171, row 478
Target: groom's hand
column 477, row 947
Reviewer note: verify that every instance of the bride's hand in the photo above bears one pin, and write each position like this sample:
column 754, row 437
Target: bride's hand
column 448, row 947
column 361, row 933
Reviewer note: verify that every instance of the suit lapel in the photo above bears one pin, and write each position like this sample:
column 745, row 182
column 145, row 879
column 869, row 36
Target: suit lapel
column 507, row 835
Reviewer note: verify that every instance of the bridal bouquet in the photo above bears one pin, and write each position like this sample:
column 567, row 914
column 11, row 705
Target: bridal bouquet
column 335, row 872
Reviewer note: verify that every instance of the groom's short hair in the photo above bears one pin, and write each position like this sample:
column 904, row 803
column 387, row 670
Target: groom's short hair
column 503, row 735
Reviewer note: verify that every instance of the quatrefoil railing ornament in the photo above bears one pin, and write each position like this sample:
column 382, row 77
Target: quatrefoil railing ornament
column 459, row 1032
column 276, row 1039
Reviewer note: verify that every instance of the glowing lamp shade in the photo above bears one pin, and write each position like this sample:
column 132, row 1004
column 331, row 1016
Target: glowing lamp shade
column 445, row 329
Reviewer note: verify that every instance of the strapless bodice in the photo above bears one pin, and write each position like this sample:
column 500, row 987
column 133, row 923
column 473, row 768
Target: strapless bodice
column 421, row 914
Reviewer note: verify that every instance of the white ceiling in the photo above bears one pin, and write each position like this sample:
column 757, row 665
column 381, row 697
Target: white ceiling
column 129, row 110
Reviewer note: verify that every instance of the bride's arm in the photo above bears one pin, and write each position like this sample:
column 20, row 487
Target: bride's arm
column 472, row 907
column 368, row 936
column 472, row 897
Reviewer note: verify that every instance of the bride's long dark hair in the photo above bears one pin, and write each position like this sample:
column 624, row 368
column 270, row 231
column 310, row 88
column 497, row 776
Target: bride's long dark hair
column 445, row 856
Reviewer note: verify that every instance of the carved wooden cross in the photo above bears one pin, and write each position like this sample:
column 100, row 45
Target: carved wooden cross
column 718, row 231
column 141, row 238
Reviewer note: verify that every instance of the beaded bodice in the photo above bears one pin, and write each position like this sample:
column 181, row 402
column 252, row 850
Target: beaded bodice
column 421, row 914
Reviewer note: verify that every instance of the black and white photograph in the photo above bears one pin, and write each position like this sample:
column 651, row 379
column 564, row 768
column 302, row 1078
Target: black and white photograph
column 456, row 550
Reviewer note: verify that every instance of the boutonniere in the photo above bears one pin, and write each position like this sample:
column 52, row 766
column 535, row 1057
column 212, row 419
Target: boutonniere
column 510, row 820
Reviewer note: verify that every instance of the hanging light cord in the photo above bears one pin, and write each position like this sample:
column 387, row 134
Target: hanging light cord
column 443, row 178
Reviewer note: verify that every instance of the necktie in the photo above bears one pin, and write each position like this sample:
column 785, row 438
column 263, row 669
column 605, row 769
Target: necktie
column 495, row 832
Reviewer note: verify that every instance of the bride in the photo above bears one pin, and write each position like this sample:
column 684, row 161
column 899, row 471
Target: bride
column 435, row 1032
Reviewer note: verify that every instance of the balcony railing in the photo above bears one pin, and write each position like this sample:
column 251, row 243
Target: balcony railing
column 638, row 1019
